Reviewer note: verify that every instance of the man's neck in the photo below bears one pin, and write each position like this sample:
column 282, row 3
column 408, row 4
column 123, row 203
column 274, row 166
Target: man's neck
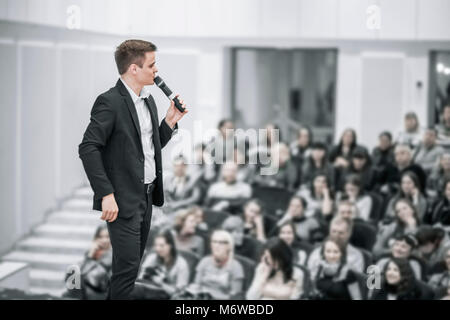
column 137, row 88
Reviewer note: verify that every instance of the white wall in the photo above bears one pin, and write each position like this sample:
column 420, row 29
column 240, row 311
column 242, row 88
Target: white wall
column 307, row 19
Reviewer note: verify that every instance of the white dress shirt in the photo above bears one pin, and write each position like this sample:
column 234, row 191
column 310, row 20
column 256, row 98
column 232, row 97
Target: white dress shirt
column 145, row 123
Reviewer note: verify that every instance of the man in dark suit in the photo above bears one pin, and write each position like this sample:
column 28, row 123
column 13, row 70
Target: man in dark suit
column 121, row 154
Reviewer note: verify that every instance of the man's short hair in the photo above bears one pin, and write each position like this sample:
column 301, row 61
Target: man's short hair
column 132, row 51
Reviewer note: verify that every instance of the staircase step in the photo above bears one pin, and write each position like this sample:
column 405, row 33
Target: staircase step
column 53, row 279
column 54, row 245
column 57, row 293
column 51, row 230
column 77, row 204
column 49, row 261
column 75, row 217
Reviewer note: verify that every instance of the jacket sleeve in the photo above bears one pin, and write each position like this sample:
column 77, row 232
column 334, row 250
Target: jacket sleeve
column 165, row 132
column 94, row 140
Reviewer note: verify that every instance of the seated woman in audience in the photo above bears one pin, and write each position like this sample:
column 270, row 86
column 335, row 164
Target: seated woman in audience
column 438, row 176
column 95, row 269
column 441, row 281
column 295, row 214
column 185, row 232
column 405, row 221
column 164, row 269
column 254, row 220
column 409, row 189
column 334, row 280
column 355, row 193
column 340, row 155
column 433, row 243
column 317, row 163
column 301, row 147
column 399, row 283
column 318, row 197
column 440, row 212
column 361, row 165
column 220, row 275
column 402, row 247
column 276, row 277
column 412, row 132
column 300, row 249
column 285, row 175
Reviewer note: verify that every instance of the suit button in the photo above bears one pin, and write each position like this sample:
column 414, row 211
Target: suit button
column 142, row 180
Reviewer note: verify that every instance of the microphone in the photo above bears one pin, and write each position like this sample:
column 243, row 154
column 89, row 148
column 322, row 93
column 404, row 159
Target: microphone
column 162, row 85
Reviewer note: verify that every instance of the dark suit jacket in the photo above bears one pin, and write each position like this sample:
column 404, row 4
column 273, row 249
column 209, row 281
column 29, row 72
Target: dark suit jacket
column 112, row 154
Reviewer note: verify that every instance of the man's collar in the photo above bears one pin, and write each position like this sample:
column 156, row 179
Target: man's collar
column 143, row 94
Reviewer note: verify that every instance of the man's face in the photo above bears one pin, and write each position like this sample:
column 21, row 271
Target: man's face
column 384, row 143
column 401, row 249
column 346, row 211
column 410, row 124
column 229, row 172
column 227, row 129
column 145, row 76
column 358, row 163
column 402, row 157
column 429, row 138
column 339, row 232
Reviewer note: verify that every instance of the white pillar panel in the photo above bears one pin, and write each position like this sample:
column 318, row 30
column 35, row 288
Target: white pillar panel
column 38, row 109
column 17, row 10
column 8, row 145
column 382, row 91
column 433, row 20
column 352, row 20
column 168, row 17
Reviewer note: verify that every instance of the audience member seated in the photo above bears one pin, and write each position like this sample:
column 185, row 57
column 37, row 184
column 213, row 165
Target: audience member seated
column 246, row 246
column 390, row 181
column 285, row 172
column 276, row 277
column 202, row 170
column 246, row 171
column 438, row 176
column 301, row 147
column 399, row 283
column 164, row 271
column 95, row 269
column 220, row 147
column 228, row 194
column 428, row 151
column 340, row 231
column 409, row 189
column 254, row 220
column 185, row 232
column 443, row 128
column 180, row 190
column 355, row 193
column 334, row 280
column 340, row 154
column 439, row 214
column 304, row 227
column 441, row 281
column 433, row 243
column 383, row 153
column 412, row 133
column 402, row 248
column 363, row 233
column 300, row 249
column 219, row 275
column 405, row 221
column 361, row 165
column 318, row 197
column 317, row 163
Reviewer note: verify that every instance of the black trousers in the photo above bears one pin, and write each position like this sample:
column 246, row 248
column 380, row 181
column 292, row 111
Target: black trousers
column 128, row 240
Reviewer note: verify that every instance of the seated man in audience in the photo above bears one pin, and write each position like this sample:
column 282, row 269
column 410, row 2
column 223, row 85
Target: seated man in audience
column 428, row 152
column 245, row 246
column 180, row 190
column 383, row 153
column 390, row 180
column 340, row 231
column 443, row 129
column 228, row 194
column 305, row 227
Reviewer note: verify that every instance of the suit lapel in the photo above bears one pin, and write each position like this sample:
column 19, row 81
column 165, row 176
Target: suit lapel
column 126, row 96
column 154, row 116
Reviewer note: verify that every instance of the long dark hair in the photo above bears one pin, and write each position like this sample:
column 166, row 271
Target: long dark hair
column 310, row 134
column 315, row 176
column 282, row 254
column 415, row 179
column 99, row 230
column 407, row 277
column 167, row 235
column 412, row 207
column 354, row 142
